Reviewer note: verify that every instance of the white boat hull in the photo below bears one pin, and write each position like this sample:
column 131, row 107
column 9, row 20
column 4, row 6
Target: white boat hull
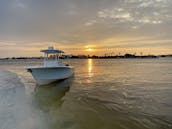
column 46, row 75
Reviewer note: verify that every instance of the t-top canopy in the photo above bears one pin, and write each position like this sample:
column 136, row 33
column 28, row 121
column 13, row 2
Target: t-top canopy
column 52, row 50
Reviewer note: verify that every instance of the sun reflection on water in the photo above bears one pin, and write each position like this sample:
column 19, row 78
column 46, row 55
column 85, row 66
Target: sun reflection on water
column 90, row 67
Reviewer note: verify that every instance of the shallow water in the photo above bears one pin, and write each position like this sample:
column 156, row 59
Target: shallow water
column 103, row 94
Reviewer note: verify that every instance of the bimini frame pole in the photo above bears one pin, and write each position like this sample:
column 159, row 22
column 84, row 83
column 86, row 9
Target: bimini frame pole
column 55, row 57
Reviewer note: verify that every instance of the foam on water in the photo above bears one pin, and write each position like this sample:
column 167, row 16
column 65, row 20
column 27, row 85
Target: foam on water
column 15, row 109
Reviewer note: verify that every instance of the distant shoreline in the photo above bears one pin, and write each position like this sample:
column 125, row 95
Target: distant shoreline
column 126, row 56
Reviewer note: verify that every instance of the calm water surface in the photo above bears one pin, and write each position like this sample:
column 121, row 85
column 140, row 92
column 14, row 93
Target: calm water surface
column 103, row 94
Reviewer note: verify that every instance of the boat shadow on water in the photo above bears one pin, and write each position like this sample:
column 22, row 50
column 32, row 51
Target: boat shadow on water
column 50, row 96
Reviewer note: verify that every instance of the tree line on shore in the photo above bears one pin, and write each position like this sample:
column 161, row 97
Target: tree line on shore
column 94, row 57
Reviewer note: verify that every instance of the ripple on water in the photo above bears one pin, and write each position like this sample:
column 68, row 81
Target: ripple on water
column 104, row 94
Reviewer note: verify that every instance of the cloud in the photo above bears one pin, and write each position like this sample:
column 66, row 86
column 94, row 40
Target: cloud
column 114, row 14
column 19, row 4
column 91, row 22
column 132, row 16
column 77, row 23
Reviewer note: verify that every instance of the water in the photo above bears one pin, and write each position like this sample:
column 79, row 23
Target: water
column 103, row 94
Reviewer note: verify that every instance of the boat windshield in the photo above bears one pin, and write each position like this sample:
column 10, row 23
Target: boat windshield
column 51, row 57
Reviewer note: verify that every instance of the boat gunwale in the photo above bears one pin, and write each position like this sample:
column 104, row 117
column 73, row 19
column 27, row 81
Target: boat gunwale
column 45, row 67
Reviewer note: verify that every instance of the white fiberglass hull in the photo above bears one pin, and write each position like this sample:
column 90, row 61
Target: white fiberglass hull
column 46, row 75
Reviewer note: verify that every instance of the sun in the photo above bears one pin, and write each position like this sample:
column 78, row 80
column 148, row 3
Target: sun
column 89, row 49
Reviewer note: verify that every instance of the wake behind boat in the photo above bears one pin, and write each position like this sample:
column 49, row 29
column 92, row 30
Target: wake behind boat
column 52, row 70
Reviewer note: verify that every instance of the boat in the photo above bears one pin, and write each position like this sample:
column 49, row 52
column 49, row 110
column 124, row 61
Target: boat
column 52, row 70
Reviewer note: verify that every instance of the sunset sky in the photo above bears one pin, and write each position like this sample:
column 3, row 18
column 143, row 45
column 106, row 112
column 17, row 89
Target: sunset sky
column 85, row 26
